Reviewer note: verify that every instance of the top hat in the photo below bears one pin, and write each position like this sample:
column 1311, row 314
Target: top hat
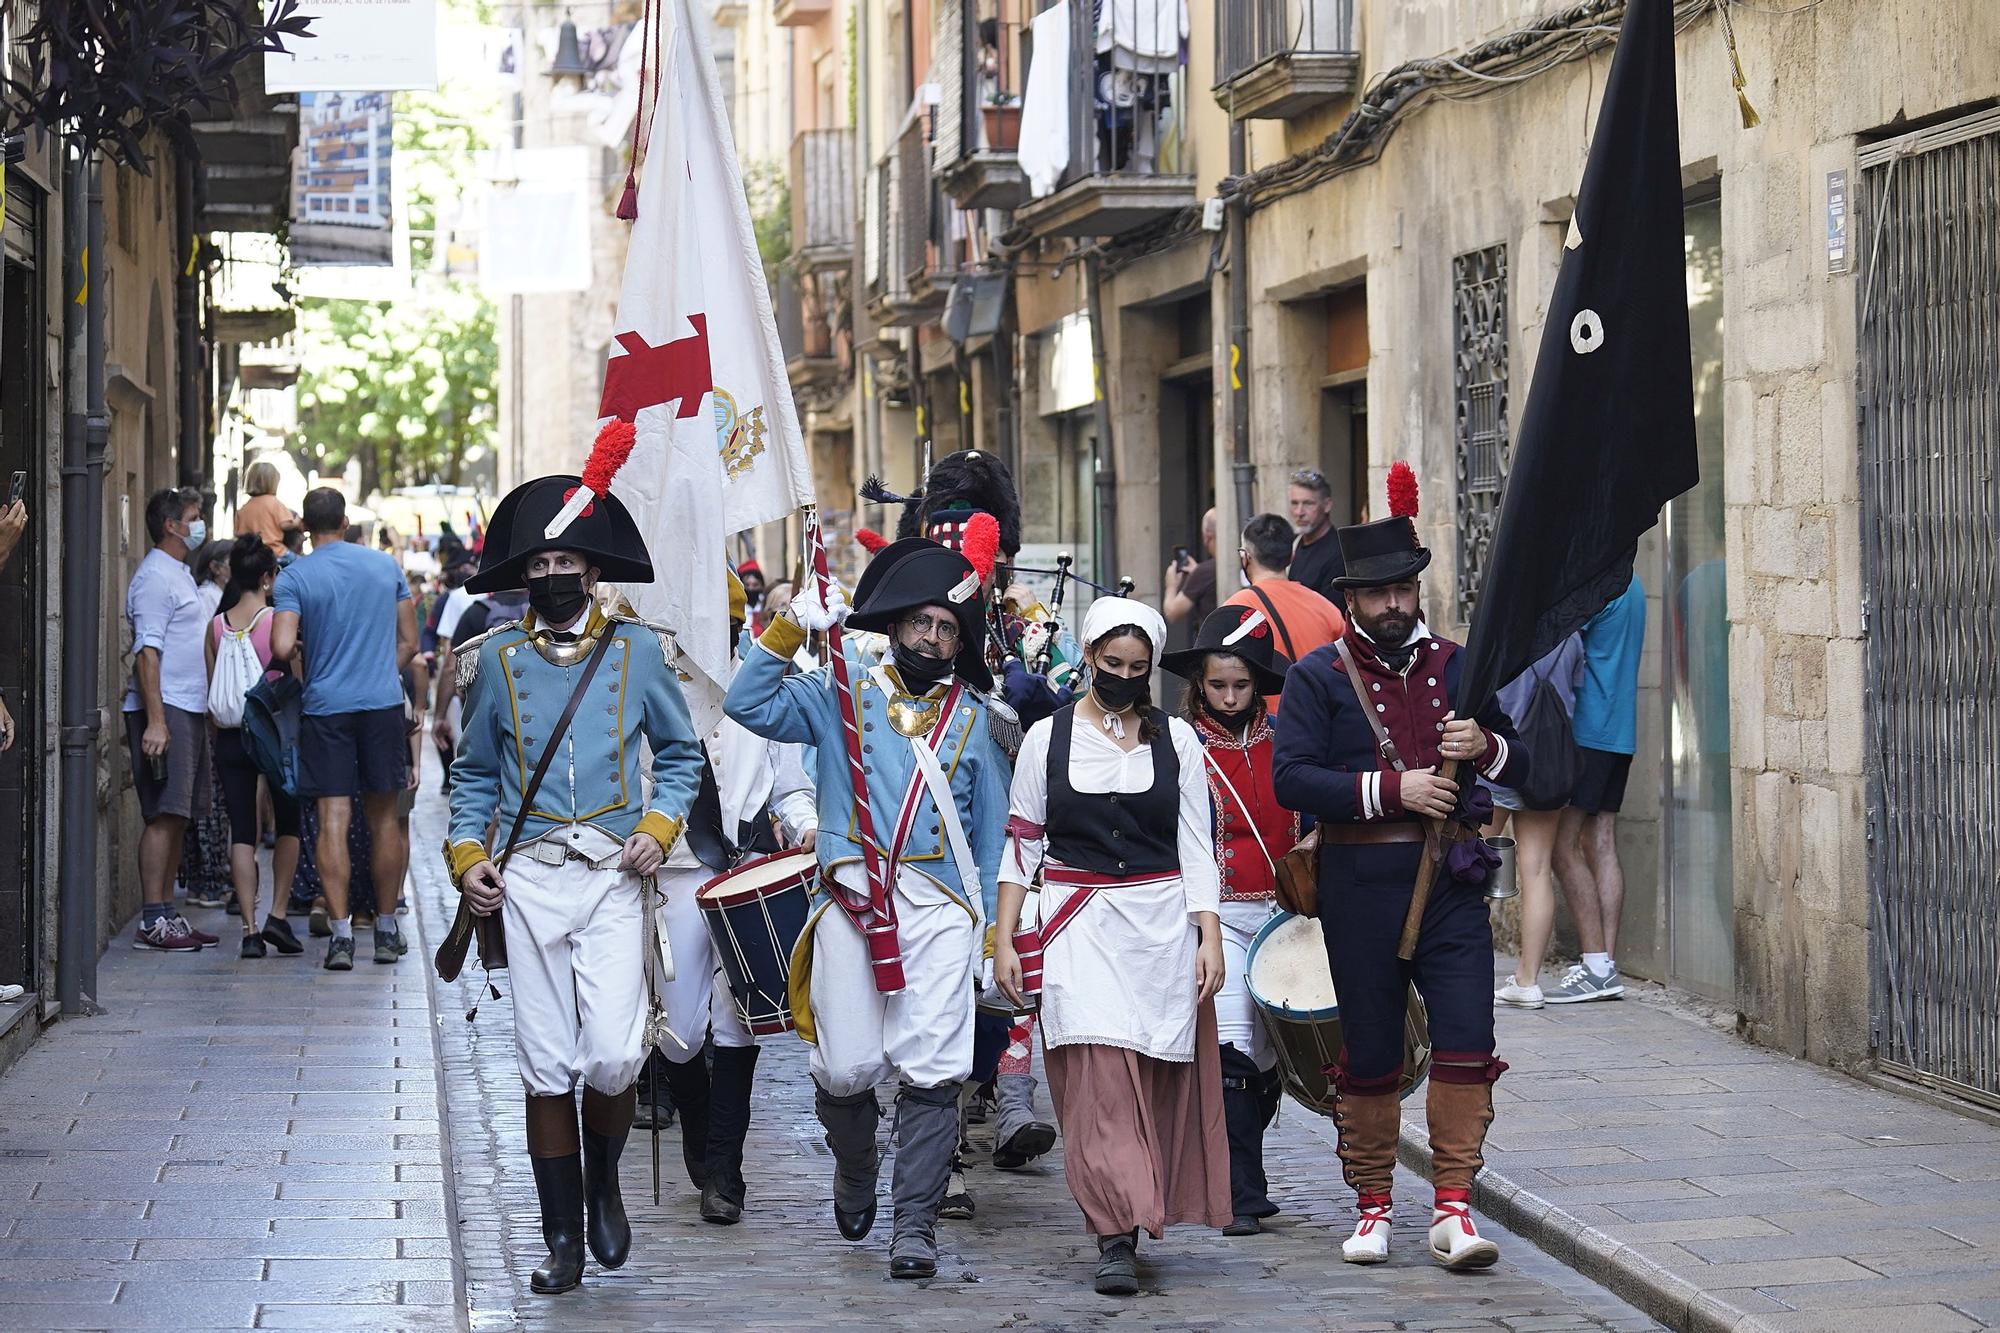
column 1387, row 550
column 603, row 533
column 1242, row 632
column 918, row 572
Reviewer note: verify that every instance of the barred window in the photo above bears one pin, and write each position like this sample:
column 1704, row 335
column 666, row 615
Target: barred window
column 1479, row 381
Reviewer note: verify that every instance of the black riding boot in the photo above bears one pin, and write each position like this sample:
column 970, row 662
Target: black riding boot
column 607, row 1122
column 728, row 1125
column 558, row 1163
column 1244, row 1115
column 689, row 1083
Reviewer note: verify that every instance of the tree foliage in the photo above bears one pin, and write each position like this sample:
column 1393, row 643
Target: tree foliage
column 409, row 388
column 406, row 387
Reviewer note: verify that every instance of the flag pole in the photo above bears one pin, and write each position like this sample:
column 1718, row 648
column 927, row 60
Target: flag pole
column 884, row 951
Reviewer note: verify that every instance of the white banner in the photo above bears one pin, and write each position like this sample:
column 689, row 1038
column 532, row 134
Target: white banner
column 697, row 368
column 538, row 205
column 359, row 46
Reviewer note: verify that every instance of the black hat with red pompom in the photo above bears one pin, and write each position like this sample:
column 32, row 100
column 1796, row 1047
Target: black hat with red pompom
column 916, row 572
column 567, row 513
column 1387, row 550
column 1242, row 632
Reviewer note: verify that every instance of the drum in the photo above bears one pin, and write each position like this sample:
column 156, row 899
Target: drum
column 755, row 915
column 1292, row 987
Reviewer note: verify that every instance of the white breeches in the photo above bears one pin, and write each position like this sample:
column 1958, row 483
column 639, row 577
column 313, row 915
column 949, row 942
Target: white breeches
column 576, row 954
column 1237, row 1022
column 922, row 1036
column 697, row 1000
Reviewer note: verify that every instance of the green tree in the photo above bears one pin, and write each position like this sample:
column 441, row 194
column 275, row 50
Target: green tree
column 406, row 387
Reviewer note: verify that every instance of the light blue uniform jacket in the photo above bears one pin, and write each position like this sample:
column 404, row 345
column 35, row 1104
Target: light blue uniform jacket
column 805, row 710
column 514, row 702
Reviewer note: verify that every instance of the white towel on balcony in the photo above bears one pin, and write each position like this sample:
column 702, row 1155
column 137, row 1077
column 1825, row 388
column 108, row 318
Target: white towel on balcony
column 1044, row 150
column 1148, row 31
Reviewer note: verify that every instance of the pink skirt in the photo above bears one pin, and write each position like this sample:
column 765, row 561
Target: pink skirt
column 1144, row 1145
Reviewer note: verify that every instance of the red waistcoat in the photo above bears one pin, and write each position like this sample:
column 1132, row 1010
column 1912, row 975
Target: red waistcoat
column 1246, row 874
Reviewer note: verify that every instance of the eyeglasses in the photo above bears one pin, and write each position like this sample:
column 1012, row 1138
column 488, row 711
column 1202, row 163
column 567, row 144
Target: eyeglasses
column 931, row 627
column 1312, row 478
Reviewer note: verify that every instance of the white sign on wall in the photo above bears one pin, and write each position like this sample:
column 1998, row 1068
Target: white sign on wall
column 359, row 46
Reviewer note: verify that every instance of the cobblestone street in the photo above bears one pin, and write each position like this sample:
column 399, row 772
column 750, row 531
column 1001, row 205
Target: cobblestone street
column 1023, row 1263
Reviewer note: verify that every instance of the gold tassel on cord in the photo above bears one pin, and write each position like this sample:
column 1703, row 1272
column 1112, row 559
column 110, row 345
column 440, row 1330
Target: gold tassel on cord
column 1751, row 120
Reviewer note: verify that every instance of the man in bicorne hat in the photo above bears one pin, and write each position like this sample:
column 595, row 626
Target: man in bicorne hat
column 1373, row 799
column 586, row 690
column 937, row 790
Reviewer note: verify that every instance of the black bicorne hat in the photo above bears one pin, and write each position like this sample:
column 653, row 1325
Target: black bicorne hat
column 1242, row 632
column 604, row 533
column 918, row 572
column 1387, row 550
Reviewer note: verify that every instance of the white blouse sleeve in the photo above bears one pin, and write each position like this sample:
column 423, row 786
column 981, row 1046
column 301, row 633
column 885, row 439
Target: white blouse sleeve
column 1195, row 836
column 1028, row 804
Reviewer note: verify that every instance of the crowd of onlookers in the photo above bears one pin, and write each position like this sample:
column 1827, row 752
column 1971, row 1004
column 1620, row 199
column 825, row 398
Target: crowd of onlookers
column 295, row 624
column 1565, row 832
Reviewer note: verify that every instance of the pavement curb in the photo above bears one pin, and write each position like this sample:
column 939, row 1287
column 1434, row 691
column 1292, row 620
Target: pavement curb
column 1591, row 1251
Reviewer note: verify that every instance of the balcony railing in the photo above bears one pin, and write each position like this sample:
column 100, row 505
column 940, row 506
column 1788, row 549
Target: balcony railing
column 1125, row 107
column 803, row 331
column 1275, row 59
column 977, row 124
column 914, row 245
column 822, row 187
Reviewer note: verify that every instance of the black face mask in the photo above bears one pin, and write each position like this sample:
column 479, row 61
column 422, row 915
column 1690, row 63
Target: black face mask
column 919, row 670
column 1118, row 693
column 1238, row 722
column 558, row 599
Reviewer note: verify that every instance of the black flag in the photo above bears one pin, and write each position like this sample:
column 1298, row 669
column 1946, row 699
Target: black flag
column 1608, row 434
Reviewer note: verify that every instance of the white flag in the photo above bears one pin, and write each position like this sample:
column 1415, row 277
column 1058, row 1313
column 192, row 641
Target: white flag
column 698, row 369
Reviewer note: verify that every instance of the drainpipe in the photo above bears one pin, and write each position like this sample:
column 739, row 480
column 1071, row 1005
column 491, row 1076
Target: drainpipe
column 86, row 431
column 1107, row 470
column 1238, row 293
column 194, row 463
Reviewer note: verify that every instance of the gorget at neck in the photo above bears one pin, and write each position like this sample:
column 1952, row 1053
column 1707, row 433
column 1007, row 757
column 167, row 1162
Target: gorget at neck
column 913, row 713
column 565, row 648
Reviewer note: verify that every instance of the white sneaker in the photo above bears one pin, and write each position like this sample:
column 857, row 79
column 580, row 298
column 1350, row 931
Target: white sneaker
column 1370, row 1242
column 1456, row 1243
column 1519, row 996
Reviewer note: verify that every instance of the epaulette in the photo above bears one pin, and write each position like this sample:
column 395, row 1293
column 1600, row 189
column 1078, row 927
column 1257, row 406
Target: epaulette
column 1003, row 724
column 466, row 655
column 668, row 643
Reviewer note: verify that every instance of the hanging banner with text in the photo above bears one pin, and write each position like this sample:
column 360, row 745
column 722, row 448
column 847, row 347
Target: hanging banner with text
column 359, row 46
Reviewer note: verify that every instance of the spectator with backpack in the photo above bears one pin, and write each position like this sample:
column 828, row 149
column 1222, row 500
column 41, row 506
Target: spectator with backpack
column 1543, row 697
column 240, row 658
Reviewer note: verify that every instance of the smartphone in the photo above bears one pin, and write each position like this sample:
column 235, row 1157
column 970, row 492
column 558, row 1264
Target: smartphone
column 18, row 489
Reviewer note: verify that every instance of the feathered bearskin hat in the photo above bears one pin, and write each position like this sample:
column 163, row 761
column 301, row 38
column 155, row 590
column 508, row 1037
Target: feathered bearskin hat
column 971, row 481
column 1387, row 550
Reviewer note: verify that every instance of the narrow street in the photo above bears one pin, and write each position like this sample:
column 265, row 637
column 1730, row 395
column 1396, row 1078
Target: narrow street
column 265, row 1145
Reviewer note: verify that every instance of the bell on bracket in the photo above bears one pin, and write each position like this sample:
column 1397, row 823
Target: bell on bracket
column 569, row 62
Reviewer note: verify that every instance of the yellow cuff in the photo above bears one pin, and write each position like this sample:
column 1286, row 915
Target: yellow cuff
column 782, row 638
column 992, row 934
column 462, row 856
column 664, row 831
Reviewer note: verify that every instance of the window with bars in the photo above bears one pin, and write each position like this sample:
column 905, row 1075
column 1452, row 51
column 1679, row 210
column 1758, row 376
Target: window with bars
column 1479, row 380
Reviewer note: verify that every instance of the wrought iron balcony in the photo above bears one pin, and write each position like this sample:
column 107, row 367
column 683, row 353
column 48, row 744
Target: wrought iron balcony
column 1123, row 101
column 976, row 127
column 803, row 330
column 822, row 188
column 914, row 252
column 1275, row 59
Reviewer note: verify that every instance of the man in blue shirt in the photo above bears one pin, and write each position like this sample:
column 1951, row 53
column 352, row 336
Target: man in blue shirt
column 1605, row 723
column 349, row 609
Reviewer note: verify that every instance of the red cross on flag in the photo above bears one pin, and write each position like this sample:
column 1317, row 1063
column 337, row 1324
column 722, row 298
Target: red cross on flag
column 696, row 367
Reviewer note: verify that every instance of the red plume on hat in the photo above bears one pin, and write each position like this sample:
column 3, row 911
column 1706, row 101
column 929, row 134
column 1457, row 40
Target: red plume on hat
column 1402, row 490
column 607, row 455
column 871, row 540
column 981, row 543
